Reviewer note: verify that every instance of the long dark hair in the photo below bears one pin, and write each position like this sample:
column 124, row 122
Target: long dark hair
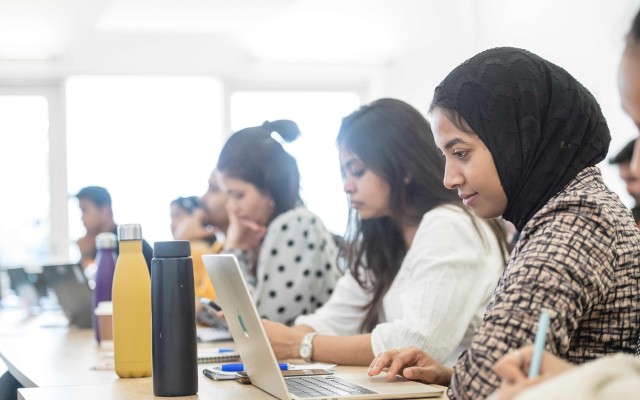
column 252, row 155
column 395, row 142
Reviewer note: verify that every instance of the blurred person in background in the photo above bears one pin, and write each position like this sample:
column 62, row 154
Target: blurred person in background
column 632, row 183
column 97, row 217
column 186, row 215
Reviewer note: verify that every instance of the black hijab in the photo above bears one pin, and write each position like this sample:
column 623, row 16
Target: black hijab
column 540, row 124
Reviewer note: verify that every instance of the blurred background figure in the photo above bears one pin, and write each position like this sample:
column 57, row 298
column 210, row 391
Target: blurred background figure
column 182, row 209
column 189, row 221
column 205, row 218
column 632, row 183
column 97, row 217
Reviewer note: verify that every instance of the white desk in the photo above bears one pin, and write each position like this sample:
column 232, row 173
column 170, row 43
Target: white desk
column 57, row 364
column 17, row 321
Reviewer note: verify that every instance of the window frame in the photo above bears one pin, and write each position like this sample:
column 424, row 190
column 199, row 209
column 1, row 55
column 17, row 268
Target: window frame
column 53, row 92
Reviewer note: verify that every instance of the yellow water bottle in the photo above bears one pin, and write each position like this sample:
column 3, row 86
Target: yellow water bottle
column 131, row 306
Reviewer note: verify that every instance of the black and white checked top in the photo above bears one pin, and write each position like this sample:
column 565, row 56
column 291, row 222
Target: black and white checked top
column 578, row 257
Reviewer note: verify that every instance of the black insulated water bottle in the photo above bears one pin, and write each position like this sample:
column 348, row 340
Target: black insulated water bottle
column 174, row 343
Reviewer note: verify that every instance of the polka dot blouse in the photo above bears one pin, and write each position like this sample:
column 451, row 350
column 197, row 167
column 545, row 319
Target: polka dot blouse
column 297, row 268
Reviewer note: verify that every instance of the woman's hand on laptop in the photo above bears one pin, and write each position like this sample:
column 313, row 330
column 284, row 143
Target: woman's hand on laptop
column 412, row 363
column 285, row 340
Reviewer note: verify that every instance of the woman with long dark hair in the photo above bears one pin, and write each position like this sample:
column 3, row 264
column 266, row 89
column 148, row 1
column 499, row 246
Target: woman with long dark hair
column 416, row 257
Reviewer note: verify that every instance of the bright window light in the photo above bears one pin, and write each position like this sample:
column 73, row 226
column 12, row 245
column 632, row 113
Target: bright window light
column 147, row 140
column 318, row 115
column 24, row 160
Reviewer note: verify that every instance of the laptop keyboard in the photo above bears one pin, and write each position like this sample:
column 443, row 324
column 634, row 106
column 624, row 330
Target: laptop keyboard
column 314, row 386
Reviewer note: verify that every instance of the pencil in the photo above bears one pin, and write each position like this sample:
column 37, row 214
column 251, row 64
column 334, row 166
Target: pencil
column 538, row 345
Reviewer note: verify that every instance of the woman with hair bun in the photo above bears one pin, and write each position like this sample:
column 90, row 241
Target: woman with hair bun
column 288, row 257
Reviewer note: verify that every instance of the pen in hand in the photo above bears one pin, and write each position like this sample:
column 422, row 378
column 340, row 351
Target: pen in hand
column 539, row 343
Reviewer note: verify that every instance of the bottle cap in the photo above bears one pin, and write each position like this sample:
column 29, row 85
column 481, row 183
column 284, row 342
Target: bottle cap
column 172, row 249
column 129, row 232
column 106, row 240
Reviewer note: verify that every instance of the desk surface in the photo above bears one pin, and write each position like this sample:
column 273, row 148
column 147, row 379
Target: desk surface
column 136, row 389
column 16, row 321
column 58, row 364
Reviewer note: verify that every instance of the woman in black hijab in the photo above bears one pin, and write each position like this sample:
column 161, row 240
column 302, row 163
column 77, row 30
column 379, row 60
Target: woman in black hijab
column 521, row 138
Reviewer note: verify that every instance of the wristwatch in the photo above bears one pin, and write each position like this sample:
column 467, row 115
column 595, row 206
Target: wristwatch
column 306, row 346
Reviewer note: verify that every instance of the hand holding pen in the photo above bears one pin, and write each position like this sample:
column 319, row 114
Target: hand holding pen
column 519, row 369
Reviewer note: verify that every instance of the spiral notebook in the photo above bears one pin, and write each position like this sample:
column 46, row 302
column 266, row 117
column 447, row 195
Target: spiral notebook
column 212, row 356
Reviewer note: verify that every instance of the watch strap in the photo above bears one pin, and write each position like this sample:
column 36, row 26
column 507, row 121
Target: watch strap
column 307, row 343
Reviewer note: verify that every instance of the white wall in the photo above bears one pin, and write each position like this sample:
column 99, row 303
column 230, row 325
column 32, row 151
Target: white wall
column 584, row 37
column 379, row 48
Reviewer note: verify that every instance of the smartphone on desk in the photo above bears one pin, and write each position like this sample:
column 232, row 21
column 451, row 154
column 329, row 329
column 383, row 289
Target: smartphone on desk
column 242, row 377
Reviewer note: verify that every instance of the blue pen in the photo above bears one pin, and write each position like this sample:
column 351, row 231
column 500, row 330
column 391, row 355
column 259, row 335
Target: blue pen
column 538, row 345
column 225, row 350
column 239, row 367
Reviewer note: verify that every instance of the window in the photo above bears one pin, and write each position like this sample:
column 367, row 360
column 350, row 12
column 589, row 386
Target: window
column 25, row 231
column 318, row 115
column 147, row 140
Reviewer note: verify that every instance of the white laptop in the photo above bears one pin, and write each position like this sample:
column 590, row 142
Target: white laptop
column 260, row 363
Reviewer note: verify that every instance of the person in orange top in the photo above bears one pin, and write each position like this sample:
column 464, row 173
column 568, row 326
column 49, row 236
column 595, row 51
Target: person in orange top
column 181, row 208
column 191, row 220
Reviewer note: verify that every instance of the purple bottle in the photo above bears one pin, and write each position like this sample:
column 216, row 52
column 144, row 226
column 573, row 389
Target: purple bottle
column 106, row 263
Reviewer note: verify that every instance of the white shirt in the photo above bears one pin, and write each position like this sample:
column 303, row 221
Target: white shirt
column 438, row 297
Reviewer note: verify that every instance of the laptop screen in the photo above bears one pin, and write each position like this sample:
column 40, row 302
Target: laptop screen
column 23, row 287
column 73, row 292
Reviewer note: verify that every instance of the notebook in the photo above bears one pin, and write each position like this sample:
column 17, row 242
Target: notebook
column 73, row 292
column 251, row 342
column 212, row 356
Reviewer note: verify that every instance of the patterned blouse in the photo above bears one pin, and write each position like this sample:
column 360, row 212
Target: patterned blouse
column 297, row 267
column 577, row 257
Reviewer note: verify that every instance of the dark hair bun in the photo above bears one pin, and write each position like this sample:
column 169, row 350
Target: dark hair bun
column 287, row 129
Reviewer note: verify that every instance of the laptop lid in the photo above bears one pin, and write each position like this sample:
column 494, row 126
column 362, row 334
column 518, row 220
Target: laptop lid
column 253, row 345
column 23, row 287
column 73, row 292
column 249, row 337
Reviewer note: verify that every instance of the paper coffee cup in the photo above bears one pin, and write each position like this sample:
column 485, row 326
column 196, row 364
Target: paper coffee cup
column 104, row 313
